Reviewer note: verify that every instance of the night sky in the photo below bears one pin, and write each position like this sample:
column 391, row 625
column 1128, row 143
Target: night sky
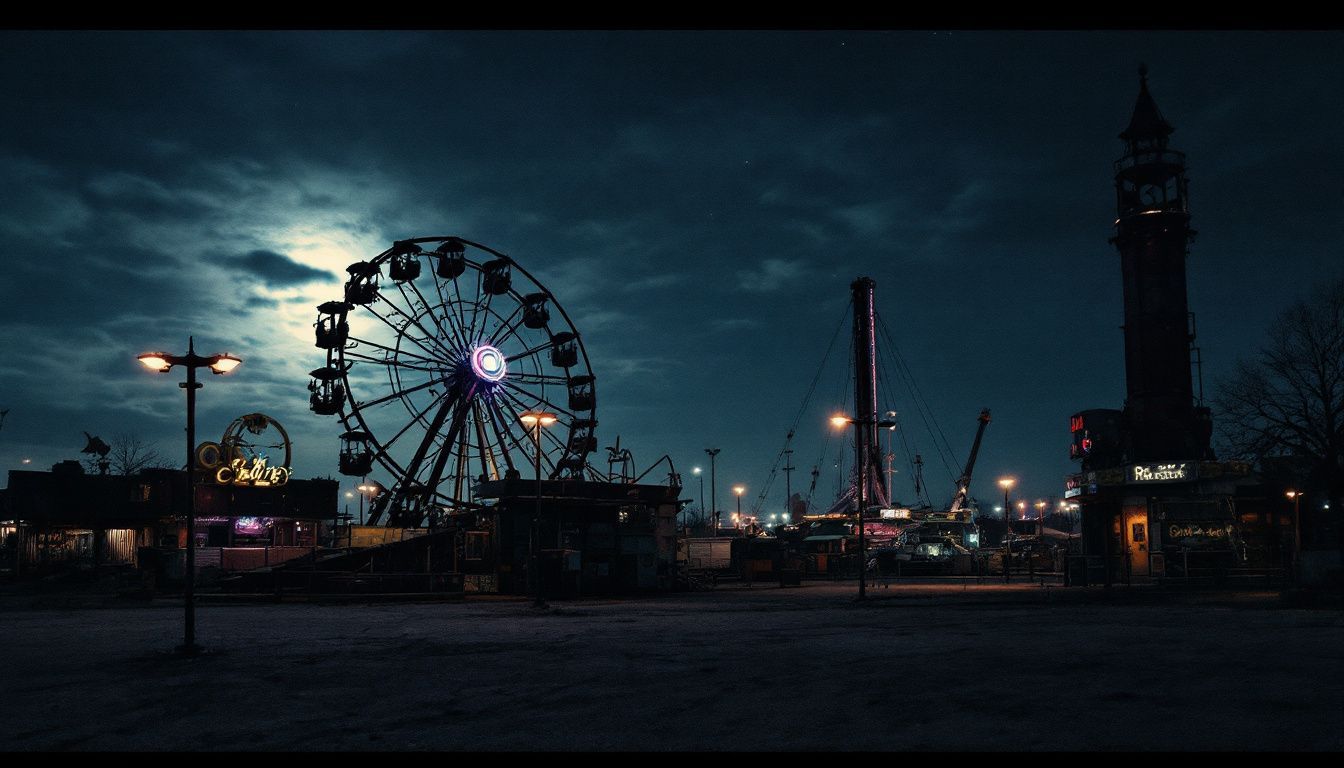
column 698, row 202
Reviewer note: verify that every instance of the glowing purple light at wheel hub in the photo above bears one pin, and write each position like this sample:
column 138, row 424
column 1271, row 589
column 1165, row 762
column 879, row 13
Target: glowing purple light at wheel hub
column 488, row 363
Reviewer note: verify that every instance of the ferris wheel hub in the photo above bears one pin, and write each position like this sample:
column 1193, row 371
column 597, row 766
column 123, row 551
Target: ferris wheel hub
column 488, row 363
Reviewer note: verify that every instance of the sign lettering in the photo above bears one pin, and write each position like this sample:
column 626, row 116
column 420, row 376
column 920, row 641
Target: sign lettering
column 1201, row 530
column 1159, row 473
column 256, row 473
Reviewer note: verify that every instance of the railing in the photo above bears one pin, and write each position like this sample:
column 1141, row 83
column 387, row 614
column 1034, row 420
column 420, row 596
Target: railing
column 1152, row 157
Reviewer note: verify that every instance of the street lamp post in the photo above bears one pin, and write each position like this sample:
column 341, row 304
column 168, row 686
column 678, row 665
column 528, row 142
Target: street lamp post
column 839, row 421
column 700, row 473
column 713, row 491
column 1296, row 496
column 536, row 420
column 162, row 363
column 1007, row 483
column 366, row 489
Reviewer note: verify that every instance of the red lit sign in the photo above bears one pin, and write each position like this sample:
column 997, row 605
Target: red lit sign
column 1076, row 423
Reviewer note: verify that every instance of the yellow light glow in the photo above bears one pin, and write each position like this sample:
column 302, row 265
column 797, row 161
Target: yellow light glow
column 1291, row 494
column 532, row 418
column 1007, row 482
column 154, row 361
column 739, row 489
column 225, row 363
column 839, row 421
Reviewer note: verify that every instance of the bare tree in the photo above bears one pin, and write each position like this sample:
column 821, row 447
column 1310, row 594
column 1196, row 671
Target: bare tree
column 1288, row 401
column 128, row 455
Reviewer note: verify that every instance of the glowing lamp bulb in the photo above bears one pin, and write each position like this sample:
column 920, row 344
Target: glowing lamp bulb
column 488, row 363
column 154, row 361
column 839, row 421
column 225, row 363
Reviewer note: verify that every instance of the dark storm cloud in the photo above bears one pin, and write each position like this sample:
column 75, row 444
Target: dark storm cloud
column 276, row 269
column 697, row 202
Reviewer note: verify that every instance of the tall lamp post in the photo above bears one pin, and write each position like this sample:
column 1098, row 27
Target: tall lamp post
column 1296, row 497
column 535, row 420
column 700, row 473
column 713, row 490
column 1006, row 483
column 839, row 421
column 739, row 490
column 161, row 362
column 366, row 489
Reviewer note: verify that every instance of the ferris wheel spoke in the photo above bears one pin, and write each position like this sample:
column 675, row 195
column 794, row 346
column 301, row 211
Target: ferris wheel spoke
column 391, row 362
column 530, row 352
column 396, row 394
column 476, row 308
column 414, row 420
column 458, row 308
column 386, row 348
column 448, row 337
column 451, row 308
column 505, row 324
column 531, row 448
column 538, row 378
column 401, row 331
column 540, row 400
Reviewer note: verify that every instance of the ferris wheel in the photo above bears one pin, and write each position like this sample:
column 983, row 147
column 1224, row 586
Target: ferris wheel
column 431, row 371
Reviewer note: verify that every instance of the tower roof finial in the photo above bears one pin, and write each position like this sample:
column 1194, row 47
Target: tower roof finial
column 1146, row 124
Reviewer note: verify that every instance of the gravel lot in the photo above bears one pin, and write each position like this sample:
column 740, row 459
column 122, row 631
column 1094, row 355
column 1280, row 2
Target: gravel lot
column 919, row 667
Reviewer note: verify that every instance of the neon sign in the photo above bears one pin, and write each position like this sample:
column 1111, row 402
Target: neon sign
column 254, row 473
column 1159, row 473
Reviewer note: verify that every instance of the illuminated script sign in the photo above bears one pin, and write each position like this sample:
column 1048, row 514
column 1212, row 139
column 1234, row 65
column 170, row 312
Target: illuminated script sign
column 1199, row 530
column 1159, row 473
column 254, row 473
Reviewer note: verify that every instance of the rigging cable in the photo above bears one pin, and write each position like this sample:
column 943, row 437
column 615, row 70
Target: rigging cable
column 774, row 469
column 944, row 450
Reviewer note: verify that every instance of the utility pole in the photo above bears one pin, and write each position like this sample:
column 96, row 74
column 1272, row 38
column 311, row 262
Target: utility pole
column 788, row 487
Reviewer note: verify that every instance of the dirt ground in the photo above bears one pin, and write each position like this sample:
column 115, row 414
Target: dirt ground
column 918, row 667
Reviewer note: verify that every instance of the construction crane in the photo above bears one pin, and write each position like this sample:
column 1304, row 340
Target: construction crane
column 964, row 482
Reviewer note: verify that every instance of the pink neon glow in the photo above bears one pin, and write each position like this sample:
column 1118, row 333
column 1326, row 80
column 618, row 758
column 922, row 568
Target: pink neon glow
column 488, row 363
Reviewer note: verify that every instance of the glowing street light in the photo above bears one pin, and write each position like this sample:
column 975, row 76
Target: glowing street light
column 739, row 490
column 162, row 362
column 536, row 420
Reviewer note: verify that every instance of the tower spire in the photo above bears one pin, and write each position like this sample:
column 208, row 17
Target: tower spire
column 1146, row 124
